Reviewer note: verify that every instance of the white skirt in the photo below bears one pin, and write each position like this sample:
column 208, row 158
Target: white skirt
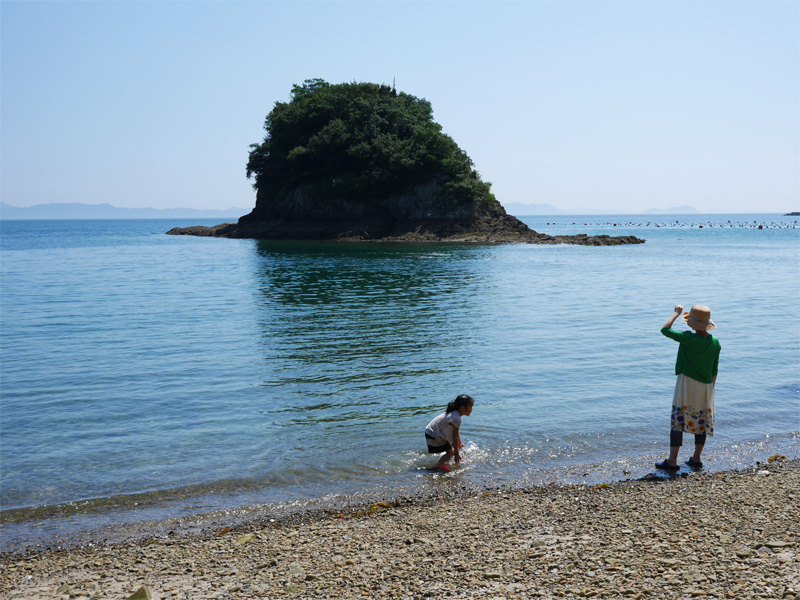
column 693, row 406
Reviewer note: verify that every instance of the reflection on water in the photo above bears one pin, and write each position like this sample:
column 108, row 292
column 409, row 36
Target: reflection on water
column 357, row 322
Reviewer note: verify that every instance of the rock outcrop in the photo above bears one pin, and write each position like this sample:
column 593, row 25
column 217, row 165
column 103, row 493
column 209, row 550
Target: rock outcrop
column 362, row 161
column 501, row 229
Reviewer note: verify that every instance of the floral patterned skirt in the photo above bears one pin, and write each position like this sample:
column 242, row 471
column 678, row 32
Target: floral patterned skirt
column 693, row 406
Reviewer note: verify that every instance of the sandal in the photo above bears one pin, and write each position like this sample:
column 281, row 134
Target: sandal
column 694, row 464
column 666, row 466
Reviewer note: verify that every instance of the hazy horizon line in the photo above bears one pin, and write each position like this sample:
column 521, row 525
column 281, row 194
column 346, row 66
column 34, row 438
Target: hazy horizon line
column 513, row 208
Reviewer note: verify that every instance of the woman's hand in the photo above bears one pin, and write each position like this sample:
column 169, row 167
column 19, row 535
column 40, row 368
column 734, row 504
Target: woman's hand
column 671, row 321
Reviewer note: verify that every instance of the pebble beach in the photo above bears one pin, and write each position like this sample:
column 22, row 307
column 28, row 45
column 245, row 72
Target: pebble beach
column 704, row 535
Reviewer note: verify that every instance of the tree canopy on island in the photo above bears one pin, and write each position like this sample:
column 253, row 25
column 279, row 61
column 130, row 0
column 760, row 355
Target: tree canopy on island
column 361, row 144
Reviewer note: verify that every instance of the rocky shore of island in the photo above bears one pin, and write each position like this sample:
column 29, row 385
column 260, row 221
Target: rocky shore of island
column 706, row 535
column 489, row 229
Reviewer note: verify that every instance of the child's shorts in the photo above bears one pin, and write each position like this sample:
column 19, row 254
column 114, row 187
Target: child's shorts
column 436, row 449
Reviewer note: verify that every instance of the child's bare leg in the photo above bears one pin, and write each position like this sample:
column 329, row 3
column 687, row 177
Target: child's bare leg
column 445, row 457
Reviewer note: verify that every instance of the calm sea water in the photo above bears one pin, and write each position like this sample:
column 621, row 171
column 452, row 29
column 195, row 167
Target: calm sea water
column 147, row 376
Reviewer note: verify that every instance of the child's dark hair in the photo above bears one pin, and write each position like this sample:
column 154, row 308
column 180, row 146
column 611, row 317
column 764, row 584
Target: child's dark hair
column 462, row 400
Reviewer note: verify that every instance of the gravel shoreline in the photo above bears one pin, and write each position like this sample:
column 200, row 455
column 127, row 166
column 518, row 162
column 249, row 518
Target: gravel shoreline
column 709, row 535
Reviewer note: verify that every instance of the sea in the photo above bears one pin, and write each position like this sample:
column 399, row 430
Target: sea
column 152, row 383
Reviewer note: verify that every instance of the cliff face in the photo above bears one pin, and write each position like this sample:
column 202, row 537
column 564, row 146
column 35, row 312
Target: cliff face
column 302, row 212
column 365, row 162
column 304, row 204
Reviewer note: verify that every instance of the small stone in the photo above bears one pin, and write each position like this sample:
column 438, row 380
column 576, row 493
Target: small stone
column 143, row 593
column 248, row 537
column 492, row 575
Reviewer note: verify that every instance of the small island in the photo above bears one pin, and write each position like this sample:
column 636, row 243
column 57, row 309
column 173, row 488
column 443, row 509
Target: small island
column 364, row 162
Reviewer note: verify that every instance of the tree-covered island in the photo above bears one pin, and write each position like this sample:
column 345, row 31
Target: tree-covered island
column 362, row 161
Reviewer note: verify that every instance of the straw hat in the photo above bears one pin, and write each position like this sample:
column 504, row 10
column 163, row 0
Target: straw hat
column 699, row 318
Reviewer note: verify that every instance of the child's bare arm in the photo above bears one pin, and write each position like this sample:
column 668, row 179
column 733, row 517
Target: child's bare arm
column 671, row 321
column 457, row 445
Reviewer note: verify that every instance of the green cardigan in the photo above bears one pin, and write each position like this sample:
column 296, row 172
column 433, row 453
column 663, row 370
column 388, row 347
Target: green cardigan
column 698, row 356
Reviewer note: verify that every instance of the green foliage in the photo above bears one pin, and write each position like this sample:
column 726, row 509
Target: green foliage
column 361, row 142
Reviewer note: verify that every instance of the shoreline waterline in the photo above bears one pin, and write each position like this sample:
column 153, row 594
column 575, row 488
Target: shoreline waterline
column 105, row 521
column 548, row 541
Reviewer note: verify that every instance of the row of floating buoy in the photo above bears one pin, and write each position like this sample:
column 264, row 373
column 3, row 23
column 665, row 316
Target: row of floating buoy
column 755, row 225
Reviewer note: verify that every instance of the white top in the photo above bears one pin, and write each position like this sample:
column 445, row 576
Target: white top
column 440, row 428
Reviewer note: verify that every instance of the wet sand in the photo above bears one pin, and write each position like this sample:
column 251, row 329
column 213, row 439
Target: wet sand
column 709, row 535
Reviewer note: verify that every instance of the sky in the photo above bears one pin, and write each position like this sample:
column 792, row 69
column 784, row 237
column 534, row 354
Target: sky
column 617, row 105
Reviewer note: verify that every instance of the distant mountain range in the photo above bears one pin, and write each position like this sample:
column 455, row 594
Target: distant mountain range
column 77, row 210
column 518, row 209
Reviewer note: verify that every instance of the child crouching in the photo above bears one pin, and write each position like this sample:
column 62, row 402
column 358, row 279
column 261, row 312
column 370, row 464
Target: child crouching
column 442, row 433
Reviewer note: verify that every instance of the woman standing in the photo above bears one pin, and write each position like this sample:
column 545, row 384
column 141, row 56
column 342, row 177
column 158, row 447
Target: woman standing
column 696, row 368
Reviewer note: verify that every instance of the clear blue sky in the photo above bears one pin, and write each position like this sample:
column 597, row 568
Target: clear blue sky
column 616, row 105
